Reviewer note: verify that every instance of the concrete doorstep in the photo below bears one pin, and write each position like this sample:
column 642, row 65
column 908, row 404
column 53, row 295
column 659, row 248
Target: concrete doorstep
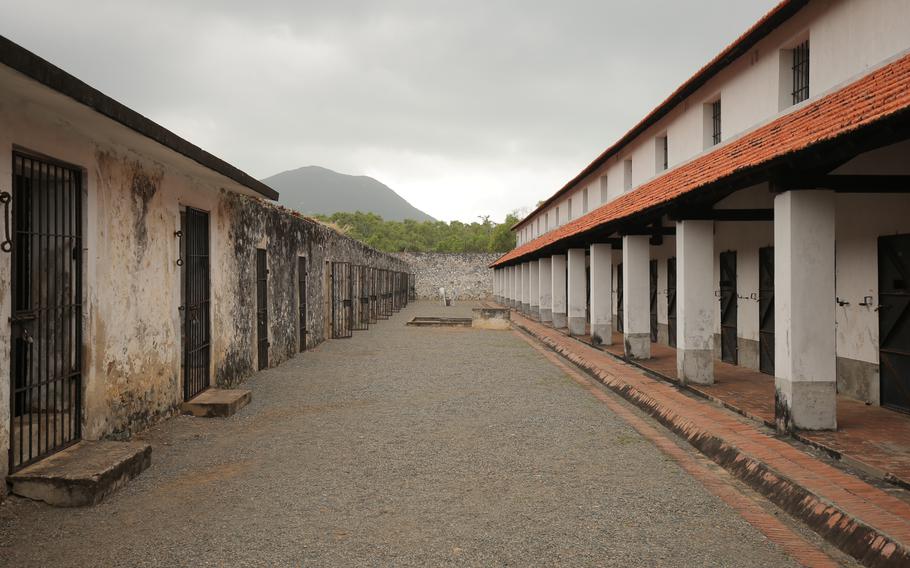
column 860, row 519
column 216, row 403
column 83, row 474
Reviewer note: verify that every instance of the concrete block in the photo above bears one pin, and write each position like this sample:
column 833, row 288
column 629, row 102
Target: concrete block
column 216, row 403
column 491, row 318
column 83, row 474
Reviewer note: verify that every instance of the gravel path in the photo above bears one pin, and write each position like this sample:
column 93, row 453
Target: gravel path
column 406, row 447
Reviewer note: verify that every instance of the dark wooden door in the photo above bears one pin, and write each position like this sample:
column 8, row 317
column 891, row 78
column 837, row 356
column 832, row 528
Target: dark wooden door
column 262, row 312
column 197, row 338
column 619, row 308
column 652, row 288
column 671, row 302
column 766, row 310
column 894, row 320
column 728, row 307
column 46, row 308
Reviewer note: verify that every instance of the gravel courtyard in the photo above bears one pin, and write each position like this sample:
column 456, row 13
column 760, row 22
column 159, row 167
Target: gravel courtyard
column 405, row 447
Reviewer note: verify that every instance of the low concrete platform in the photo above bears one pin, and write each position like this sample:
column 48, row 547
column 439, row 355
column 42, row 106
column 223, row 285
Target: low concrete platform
column 434, row 321
column 83, row 474
column 491, row 317
column 217, row 403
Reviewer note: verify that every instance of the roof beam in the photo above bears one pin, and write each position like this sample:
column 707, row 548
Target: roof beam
column 843, row 183
column 723, row 215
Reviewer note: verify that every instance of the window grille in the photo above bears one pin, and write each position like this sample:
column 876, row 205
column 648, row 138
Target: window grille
column 715, row 122
column 801, row 72
column 666, row 153
column 584, row 201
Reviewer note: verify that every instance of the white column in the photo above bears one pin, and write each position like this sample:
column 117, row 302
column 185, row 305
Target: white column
column 805, row 353
column 525, row 287
column 601, row 294
column 577, row 291
column 696, row 305
column 545, row 289
column 558, row 289
column 636, row 286
column 534, row 289
column 513, row 286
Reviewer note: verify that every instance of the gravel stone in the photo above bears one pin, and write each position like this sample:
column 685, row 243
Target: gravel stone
column 402, row 446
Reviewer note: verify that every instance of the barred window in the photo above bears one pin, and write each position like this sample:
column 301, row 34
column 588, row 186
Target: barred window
column 801, row 72
column 604, row 192
column 584, row 201
column 715, row 122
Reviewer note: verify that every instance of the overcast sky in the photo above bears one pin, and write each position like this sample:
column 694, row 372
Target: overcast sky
column 465, row 108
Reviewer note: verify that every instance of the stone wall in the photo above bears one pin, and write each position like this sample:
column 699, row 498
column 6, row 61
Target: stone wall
column 468, row 274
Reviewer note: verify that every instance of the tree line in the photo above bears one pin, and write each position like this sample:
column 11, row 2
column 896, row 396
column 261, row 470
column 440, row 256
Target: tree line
column 424, row 236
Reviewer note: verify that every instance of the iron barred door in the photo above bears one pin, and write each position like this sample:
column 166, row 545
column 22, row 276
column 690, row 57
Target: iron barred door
column 766, row 310
column 619, row 307
column 262, row 311
column 46, row 310
column 301, row 301
column 671, row 301
column 342, row 306
column 374, row 299
column 894, row 320
column 360, row 319
column 728, row 307
column 652, row 279
column 196, row 304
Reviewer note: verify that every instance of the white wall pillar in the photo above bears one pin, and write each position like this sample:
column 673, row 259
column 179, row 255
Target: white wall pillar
column 525, row 287
column 805, row 354
column 534, row 289
column 513, row 285
column 696, row 305
column 601, row 294
column 636, row 285
column 545, row 289
column 577, row 291
column 558, row 290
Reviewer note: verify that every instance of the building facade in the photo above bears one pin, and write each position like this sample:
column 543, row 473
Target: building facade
column 760, row 215
column 138, row 270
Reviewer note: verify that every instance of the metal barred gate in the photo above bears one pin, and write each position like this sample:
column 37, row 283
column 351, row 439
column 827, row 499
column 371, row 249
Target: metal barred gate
column 728, row 307
column 671, row 301
column 342, row 304
column 262, row 309
column 360, row 317
column 46, row 311
column 301, row 301
column 196, row 307
column 374, row 298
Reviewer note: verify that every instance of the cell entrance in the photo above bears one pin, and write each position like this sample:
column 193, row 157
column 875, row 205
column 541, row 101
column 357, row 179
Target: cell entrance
column 766, row 310
column 652, row 288
column 46, row 311
column 728, row 307
column 619, row 301
column 671, row 302
column 196, row 310
column 894, row 320
column 262, row 311
column 342, row 300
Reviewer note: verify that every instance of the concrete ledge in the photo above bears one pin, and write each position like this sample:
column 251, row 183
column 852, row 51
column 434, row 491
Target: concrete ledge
column 216, row 403
column 83, row 474
column 871, row 545
column 491, row 318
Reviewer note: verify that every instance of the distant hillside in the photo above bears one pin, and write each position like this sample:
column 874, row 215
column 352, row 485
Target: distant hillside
column 312, row 190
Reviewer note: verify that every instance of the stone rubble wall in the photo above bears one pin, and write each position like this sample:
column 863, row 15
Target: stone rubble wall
column 467, row 274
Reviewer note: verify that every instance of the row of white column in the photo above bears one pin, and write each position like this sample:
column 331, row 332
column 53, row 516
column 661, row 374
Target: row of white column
column 554, row 289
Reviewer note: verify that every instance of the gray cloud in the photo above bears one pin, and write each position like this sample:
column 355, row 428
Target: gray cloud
column 465, row 108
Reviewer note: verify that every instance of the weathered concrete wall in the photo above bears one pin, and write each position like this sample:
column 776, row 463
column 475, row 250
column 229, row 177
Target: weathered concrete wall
column 133, row 193
column 468, row 273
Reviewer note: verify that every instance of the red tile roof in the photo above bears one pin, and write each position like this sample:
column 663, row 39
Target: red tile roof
column 770, row 21
column 879, row 95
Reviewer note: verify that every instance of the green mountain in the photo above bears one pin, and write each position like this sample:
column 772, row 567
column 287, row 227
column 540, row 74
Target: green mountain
column 312, row 190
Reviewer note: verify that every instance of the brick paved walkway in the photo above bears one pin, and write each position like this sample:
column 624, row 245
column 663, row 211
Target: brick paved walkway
column 857, row 516
column 871, row 438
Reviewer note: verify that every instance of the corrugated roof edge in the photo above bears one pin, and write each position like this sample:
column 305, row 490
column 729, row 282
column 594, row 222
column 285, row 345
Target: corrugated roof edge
column 768, row 23
column 24, row 61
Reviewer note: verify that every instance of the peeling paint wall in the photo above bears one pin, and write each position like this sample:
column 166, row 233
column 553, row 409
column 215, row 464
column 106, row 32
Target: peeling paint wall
column 133, row 192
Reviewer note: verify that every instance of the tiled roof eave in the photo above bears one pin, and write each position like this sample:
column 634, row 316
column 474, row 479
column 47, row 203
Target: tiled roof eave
column 882, row 94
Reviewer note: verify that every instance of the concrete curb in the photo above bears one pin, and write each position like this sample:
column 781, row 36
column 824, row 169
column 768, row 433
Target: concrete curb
column 850, row 534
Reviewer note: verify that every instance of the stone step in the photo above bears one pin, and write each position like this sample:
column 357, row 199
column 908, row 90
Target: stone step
column 83, row 474
column 217, row 403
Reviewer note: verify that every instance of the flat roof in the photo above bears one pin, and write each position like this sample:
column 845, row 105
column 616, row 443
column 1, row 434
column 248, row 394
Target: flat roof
column 24, row 61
